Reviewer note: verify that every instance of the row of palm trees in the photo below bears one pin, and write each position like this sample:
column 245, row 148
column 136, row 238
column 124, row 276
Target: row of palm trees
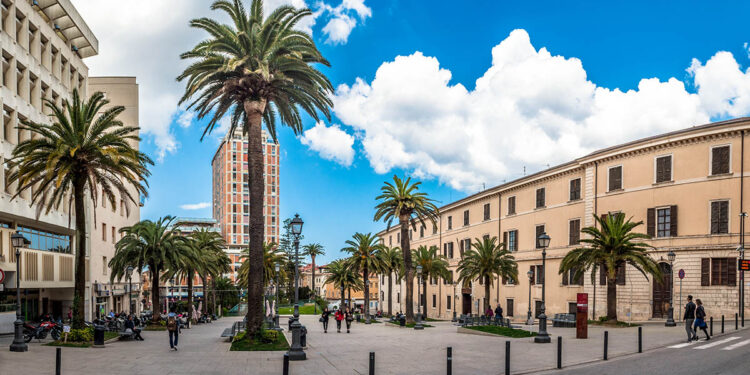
column 159, row 247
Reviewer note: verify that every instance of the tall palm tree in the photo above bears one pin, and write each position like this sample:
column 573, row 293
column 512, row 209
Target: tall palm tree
column 190, row 262
column 433, row 265
column 341, row 275
column 271, row 258
column 391, row 262
column 211, row 245
column 485, row 260
column 364, row 250
column 609, row 248
column 402, row 201
column 255, row 70
column 313, row 250
column 156, row 244
column 83, row 148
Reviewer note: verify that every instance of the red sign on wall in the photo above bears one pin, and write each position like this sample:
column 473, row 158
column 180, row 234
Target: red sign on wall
column 744, row 265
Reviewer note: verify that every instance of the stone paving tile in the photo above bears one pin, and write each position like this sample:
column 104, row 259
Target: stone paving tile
column 397, row 351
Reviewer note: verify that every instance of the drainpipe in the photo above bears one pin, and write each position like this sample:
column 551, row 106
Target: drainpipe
column 742, row 224
column 596, row 183
column 499, row 236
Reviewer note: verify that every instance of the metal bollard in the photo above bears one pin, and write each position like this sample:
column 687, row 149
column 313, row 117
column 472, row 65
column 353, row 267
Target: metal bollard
column 372, row 363
column 559, row 352
column 507, row 358
column 735, row 321
column 286, row 364
column 450, row 361
column 722, row 324
column 711, row 325
column 640, row 339
column 58, row 361
column 606, row 342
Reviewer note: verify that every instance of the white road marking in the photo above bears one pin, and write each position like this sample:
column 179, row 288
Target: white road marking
column 737, row 345
column 678, row 346
column 716, row 343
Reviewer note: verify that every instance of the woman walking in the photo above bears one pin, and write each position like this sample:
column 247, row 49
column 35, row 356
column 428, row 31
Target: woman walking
column 324, row 319
column 700, row 321
column 349, row 318
column 339, row 317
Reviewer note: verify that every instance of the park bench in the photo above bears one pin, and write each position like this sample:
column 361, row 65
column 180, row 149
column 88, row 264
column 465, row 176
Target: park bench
column 237, row 327
column 564, row 320
column 125, row 335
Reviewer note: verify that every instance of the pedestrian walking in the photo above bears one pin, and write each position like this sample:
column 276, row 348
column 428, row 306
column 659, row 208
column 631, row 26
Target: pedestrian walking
column 324, row 319
column 349, row 318
column 498, row 314
column 173, row 326
column 339, row 317
column 689, row 317
column 700, row 320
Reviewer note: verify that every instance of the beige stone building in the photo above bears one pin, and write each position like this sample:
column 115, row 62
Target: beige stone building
column 686, row 186
column 43, row 44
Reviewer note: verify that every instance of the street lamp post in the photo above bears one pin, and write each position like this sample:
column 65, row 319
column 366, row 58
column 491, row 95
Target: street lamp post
column 295, row 351
column 276, row 304
column 419, row 296
column 670, row 312
column 129, row 272
column 19, row 345
column 529, row 318
column 742, row 273
column 543, row 337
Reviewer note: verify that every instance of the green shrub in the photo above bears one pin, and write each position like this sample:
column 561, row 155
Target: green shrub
column 81, row 335
column 163, row 323
column 269, row 336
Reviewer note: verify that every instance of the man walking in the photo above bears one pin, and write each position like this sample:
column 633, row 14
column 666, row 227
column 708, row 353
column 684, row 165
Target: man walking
column 498, row 314
column 689, row 316
column 173, row 326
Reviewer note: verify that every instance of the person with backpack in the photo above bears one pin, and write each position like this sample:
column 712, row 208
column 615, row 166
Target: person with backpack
column 498, row 314
column 173, row 326
column 339, row 317
column 700, row 320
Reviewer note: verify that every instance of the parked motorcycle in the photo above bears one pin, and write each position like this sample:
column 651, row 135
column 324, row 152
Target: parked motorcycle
column 40, row 331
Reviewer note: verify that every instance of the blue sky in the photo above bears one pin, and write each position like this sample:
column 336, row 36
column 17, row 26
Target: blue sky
column 556, row 88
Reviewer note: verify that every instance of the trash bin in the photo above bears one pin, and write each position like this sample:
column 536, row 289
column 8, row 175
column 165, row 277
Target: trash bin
column 303, row 336
column 402, row 321
column 98, row 336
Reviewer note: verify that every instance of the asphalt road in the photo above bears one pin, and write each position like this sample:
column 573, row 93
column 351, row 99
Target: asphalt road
column 728, row 354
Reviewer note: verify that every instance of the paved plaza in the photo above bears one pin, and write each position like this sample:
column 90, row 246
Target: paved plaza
column 397, row 351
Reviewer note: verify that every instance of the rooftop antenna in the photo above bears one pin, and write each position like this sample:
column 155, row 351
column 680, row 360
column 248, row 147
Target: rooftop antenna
column 524, row 170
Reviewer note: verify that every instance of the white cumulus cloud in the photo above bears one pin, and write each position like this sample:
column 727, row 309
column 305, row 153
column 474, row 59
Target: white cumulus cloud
column 342, row 19
column 530, row 109
column 195, row 206
column 330, row 142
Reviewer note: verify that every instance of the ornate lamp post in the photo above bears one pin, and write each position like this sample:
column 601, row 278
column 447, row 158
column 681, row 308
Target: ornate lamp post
column 543, row 337
column 276, row 304
column 295, row 351
column 670, row 313
column 129, row 272
column 741, row 249
column 19, row 345
column 419, row 295
column 529, row 318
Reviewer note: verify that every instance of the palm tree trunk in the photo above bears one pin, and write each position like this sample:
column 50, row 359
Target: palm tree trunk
column 155, row 302
column 312, row 257
column 213, row 297
column 390, row 294
column 350, row 299
column 341, row 306
column 366, row 307
column 409, row 272
column 254, row 112
column 79, row 293
column 190, row 294
column 611, row 299
column 486, row 292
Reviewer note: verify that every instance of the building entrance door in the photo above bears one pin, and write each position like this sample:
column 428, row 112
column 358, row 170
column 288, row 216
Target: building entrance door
column 662, row 293
column 466, row 305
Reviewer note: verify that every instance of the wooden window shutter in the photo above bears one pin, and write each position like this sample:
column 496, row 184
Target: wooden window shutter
column 565, row 277
column 668, row 169
column 715, row 213
column 651, row 222
column 673, row 221
column 705, row 271
column 621, row 275
column 715, row 272
column 602, row 275
column 505, row 239
column 445, row 249
column 732, row 271
column 533, row 274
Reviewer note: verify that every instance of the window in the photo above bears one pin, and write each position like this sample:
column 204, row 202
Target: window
column 663, row 222
column 719, row 160
column 104, row 266
column 434, row 301
column 398, row 238
column 122, row 207
column 575, row 232
column 507, row 281
column 450, row 222
column 568, row 278
column 466, row 218
column 719, row 217
column 539, row 197
column 510, row 238
column 113, row 234
column 448, row 302
column 421, row 231
column 538, row 275
column 620, row 275
column 615, row 178
column 450, row 250
column 390, row 240
column 719, row 271
column 434, row 229
column 486, row 211
column 467, row 246
column 512, row 206
column 664, row 169
column 575, row 189
column 539, row 232
column 398, row 296
column 508, row 307
column 104, row 232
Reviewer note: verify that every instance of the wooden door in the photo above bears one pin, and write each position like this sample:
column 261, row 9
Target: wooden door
column 466, row 299
column 662, row 293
